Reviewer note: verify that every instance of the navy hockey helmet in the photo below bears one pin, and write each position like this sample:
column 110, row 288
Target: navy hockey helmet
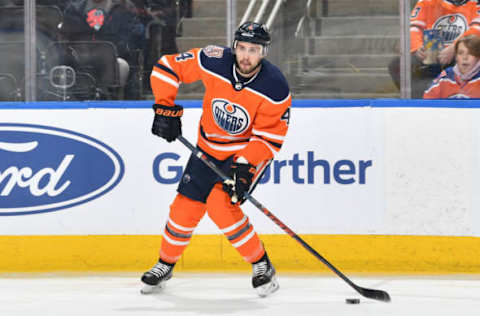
column 458, row 2
column 253, row 32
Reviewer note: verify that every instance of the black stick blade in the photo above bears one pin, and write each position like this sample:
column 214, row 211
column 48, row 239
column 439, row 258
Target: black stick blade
column 378, row 295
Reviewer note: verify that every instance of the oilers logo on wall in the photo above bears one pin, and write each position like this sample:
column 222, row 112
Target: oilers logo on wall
column 232, row 118
column 451, row 27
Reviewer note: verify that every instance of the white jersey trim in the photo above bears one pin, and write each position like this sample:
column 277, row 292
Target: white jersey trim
column 438, row 83
column 474, row 80
column 223, row 148
column 244, row 240
column 235, row 226
column 175, row 242
column 227, row 137
column 165, row 78
column 179, row 227
column 432, row 87
column 269, row 135
column 165, row 61
column 419, row 23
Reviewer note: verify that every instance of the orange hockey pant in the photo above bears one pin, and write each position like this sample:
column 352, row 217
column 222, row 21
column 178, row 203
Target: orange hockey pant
column 185, row 214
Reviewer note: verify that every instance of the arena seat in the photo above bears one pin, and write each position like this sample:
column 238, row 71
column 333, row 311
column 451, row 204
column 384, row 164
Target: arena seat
column 8, row 88
column 12, row 57
column 97, row 60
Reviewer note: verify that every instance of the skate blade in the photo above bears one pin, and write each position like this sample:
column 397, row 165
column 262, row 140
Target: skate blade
column 151, row 289
column 268, row 288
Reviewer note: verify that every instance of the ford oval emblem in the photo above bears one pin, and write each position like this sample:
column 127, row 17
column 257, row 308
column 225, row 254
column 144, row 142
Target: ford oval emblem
column 46, row 169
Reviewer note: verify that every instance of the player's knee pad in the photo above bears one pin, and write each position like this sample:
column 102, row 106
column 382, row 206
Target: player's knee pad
column 186, row 212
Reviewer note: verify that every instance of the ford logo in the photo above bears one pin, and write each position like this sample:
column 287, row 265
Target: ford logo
column 46, row 169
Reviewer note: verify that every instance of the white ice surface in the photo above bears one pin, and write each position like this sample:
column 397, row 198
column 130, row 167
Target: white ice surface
column 231, row 294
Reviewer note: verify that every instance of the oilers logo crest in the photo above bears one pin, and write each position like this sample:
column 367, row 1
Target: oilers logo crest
column 232, row 118
column 451, row 27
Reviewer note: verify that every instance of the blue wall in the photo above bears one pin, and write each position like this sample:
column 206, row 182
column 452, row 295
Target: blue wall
column 301, row 103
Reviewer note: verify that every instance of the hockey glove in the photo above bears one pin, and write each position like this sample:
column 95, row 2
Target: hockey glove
column 240, row 179
column 167, row 123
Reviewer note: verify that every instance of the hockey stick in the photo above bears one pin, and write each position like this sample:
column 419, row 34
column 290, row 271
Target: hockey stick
column 369, row 293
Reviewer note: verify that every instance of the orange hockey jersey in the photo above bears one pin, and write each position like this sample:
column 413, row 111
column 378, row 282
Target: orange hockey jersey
column 452, row 21
column 448, row 86
column 248, row 119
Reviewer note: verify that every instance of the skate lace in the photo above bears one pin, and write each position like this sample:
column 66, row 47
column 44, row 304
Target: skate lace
column 260, row 268
column 160, row 269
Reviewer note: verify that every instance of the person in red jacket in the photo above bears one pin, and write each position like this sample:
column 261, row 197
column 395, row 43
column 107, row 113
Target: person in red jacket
column 463, row 80
column 452, row 19
column 246, row 111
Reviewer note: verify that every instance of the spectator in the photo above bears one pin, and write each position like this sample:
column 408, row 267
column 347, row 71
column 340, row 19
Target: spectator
column 453, row 19
column 463, row 80
column 162, row 14
column 160, row 20
column 113, row 21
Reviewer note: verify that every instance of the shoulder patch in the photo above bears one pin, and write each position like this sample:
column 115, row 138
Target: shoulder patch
column 214, row 51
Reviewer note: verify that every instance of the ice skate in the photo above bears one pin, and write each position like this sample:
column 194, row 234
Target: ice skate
column 155, row 278
column 264, row 280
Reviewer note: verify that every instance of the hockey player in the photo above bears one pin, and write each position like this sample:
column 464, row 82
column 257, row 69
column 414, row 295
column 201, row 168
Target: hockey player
column 246, row 111
column 463, row 80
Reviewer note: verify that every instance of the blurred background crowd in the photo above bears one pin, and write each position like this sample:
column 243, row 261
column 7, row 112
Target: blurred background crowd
column 328, row 49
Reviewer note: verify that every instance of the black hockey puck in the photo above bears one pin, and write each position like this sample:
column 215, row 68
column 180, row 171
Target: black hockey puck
column 352, row 301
